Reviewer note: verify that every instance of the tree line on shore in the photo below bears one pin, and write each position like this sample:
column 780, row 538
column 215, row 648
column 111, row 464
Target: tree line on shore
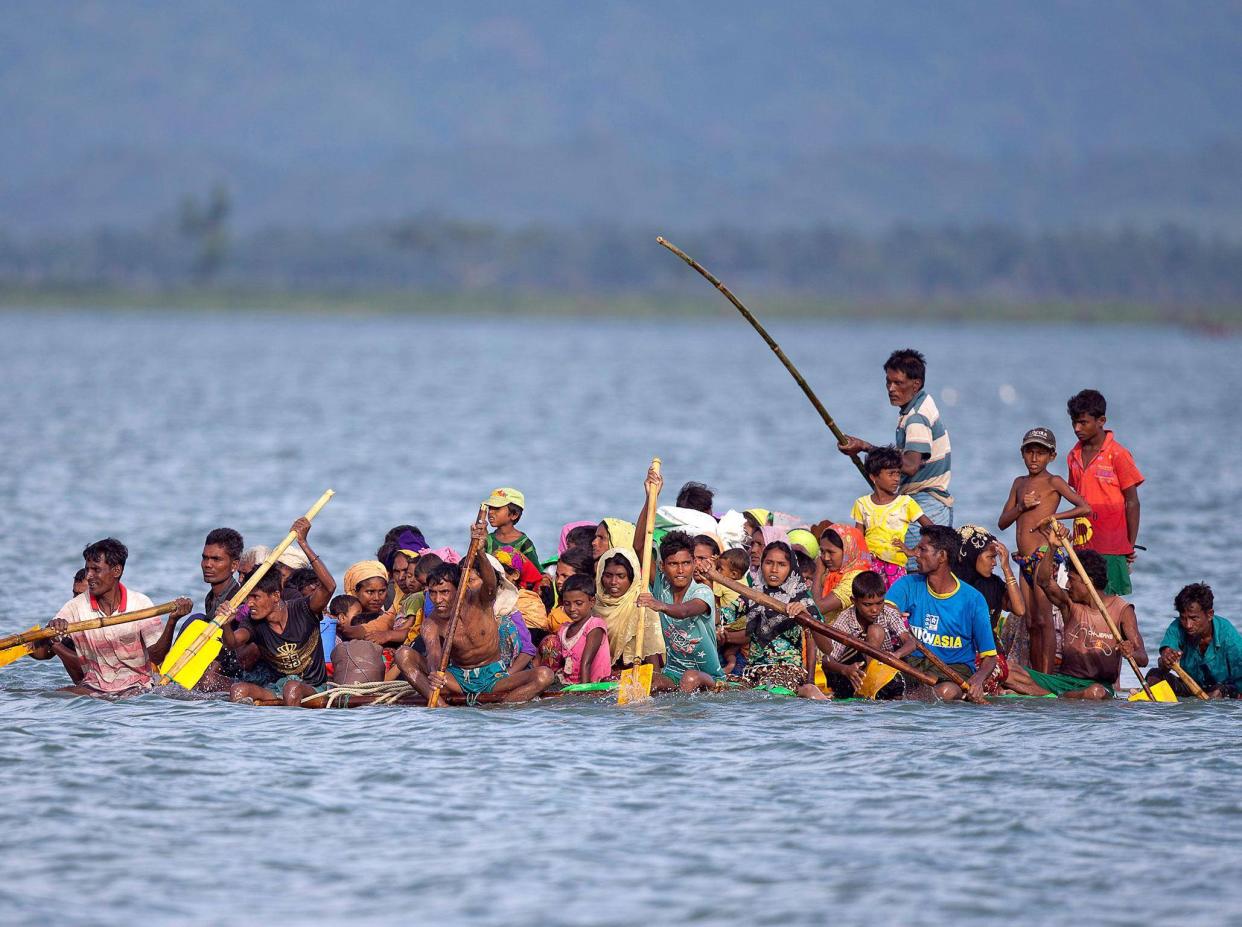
column 1169, row 266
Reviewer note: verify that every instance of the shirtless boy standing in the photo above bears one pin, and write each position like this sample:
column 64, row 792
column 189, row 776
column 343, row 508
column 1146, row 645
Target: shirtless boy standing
column 475, row 664
column 1032, row 499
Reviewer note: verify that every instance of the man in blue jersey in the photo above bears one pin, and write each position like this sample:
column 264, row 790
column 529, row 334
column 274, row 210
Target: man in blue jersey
column 921, row 437
column 945, row 615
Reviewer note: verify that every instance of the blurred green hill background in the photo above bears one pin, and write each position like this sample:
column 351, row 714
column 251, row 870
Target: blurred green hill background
column 1011, row 131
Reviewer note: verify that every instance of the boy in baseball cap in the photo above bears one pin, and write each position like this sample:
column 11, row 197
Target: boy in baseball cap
column 504, row 510
column 1032, row 500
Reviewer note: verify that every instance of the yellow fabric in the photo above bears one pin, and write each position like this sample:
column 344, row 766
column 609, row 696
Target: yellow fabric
column 556, row 618
column 800, row 537
column 412, row 606
column 362, row 571
column 620, row 533
column 844, row 589
column 885, row 524
column 763, row 516
column 622, row 615
column 534, row 612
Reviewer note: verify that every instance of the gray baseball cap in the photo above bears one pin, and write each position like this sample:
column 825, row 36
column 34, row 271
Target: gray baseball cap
column 1041, row 436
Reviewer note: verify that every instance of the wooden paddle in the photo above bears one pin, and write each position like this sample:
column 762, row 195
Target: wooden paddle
column 15, row 646
column 636, row 680
column 180, row 665
column 463, row 585
column 827, row 631
column 1195, row 689
column 1059, row 538
column 776, row 348
column 949, row 672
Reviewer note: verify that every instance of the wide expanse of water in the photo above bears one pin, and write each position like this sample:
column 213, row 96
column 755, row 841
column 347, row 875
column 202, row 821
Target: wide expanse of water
column 684, row 810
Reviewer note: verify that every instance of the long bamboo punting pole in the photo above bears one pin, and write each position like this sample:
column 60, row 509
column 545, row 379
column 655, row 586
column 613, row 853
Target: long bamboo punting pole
column 776, row 348
column 462, row 587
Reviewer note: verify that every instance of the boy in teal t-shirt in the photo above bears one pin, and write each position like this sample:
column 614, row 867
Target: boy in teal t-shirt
column 687, row 616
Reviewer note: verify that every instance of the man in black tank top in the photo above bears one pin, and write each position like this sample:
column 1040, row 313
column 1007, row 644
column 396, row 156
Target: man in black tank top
column 286, row 633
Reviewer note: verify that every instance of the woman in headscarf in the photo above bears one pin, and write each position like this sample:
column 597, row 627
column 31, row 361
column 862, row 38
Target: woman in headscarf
column 776, row 653
column 979, row 553
column 367, row 581
column 570, row 535
column 616, row 594
column 842, row 556
column 610, row 533
column 761, row 538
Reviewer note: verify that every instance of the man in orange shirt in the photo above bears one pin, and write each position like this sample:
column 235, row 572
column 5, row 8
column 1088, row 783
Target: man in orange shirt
column 1105, row 475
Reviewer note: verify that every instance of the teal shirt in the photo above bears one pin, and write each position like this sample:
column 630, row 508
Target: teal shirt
column 689, row 643
column 1222, row 661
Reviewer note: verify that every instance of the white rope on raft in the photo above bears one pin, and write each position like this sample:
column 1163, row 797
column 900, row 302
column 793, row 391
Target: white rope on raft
column 386, row 693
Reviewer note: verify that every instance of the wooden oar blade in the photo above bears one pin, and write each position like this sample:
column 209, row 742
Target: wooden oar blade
column 12, row 654
column 877, row 676
column 1161, row 690
column 635, row 684
column 188, row 676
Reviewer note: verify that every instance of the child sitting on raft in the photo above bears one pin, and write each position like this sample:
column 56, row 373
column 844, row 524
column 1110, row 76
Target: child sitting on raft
column 584, row 639
column 877, row 622
column 731, row 629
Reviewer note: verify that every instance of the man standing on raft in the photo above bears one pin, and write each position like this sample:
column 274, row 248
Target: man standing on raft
column 921, row 437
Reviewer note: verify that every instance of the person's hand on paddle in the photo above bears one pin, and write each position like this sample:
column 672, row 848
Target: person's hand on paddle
column 798, row 609
column 853, row 446
column 1127, row 648
column 647, row 600
column 59, row 625
column 1053, row 530
column 225, row 612
column 438, row 680
column 301, row 528
column 654, row 480
column 183, row 608
column 1169, row 656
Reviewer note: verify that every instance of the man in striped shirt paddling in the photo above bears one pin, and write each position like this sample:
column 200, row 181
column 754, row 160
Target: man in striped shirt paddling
column 921, row 437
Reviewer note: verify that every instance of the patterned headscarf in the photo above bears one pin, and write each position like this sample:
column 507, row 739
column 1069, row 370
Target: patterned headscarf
column 762, row 623
column 529, row 576
column 855, row 556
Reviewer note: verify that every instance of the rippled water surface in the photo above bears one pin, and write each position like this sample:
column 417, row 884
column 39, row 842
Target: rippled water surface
column 702, row 809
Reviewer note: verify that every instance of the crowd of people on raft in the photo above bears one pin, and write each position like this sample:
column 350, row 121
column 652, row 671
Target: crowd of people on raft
column 894, row 574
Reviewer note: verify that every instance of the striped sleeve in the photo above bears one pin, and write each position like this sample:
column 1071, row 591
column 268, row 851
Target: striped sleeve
column 917, row 437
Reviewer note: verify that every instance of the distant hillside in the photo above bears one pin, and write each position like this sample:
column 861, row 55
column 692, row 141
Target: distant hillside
column 774, row 114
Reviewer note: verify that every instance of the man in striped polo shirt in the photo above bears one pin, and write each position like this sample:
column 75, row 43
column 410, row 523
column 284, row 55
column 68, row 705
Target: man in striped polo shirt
column 921, row 437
